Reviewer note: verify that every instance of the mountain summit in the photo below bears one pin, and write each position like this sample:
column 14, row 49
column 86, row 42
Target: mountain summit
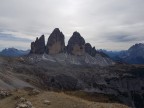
column 76, row 52
column 56, row 43
column 76, row 44
column 12, row 52
column 38, row 47
column 134, row 55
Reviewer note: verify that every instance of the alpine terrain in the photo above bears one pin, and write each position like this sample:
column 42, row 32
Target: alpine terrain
column 75, row 75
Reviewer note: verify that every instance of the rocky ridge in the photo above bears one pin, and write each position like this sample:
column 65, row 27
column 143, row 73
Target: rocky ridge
column 56, row 44
column 38, row 47
column 134, row 55
column 13, row 52
column 76, row 52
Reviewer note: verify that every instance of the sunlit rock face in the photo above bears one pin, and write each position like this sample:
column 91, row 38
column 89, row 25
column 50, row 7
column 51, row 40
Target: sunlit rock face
column 76, row 44
column 38, row 47
column 55, row 42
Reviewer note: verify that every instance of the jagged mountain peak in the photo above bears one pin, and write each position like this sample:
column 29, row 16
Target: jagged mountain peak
column 76, row 33
column 13, row 52
column 76, row 44
column 136, row 49
column 9, row 49
column 56, row 42
column 38, row 46
column 137, row 46
column 77, row 37
column 56, row 34
column 134, row 55
column 76, row 47
column 56, row 30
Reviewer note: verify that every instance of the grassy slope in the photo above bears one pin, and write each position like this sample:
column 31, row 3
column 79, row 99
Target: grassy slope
column 58, row 100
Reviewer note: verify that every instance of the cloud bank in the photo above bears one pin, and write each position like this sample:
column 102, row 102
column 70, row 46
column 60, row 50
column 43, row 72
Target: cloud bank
column 107, row 24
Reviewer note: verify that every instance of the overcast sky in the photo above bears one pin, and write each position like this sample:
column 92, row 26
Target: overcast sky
column 106, row 24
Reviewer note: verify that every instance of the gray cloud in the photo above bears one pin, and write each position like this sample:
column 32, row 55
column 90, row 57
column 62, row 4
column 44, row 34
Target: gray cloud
column 9, row 37
column 121, row 38
column 104, row 23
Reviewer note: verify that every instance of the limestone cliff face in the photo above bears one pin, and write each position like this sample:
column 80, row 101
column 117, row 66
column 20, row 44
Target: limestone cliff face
column 38, row 47
column 55, row 42
column 88, row 48
column 76, row 44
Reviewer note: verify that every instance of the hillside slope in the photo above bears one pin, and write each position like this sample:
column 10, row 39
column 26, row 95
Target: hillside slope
column 58, row 100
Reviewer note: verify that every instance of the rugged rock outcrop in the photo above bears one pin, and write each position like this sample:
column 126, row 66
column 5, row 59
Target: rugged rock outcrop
column 4, row 93
column 62, row 82
column 23, row 103
column 38, row 47
column 93, row 53
column 47, row 102
column 90, row 50
column 76, row 44
column 55, row 42
column 34, row 92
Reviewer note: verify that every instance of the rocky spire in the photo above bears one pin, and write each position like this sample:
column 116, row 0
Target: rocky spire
column 93, row 53
column 76, row 44
column 38, row 47
column 90, row 50
column 55, row 42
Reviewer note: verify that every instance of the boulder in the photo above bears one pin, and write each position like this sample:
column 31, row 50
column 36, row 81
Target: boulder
column 22, row 100
column 55, row 42
column 47, row 102
column 38, row 47
column 76, row 44
column 23, row 103
column 4, row 93
column 34, row 92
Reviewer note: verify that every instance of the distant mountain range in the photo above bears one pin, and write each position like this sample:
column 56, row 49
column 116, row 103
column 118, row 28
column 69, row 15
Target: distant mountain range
column 134, row 55
column 12, row 52
column 77, row 66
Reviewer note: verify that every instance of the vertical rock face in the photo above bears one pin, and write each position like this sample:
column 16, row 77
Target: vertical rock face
column 76, row 44
column 88, row 48
column 38, row 47
column 55, row 42
column 93, row 53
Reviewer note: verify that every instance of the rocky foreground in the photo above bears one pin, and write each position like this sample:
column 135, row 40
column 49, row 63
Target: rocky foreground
column 119, row 83
column 25, row 98
column 77, row 69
